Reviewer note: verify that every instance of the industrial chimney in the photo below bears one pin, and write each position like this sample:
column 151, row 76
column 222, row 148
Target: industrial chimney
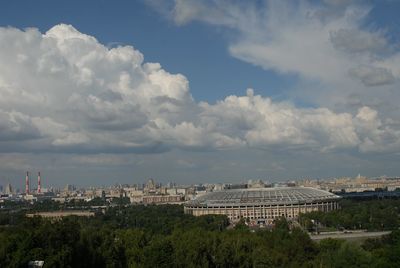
column 27, row 183
column 38, row 183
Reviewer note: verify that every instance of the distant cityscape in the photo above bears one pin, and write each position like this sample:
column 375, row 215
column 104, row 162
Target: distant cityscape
column 153, row 192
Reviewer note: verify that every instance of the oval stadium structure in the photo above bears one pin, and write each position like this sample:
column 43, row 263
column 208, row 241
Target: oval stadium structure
column 263, row 204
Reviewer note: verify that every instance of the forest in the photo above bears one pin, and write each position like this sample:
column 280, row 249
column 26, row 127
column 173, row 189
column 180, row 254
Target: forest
column 162, row 236
column 372, row 215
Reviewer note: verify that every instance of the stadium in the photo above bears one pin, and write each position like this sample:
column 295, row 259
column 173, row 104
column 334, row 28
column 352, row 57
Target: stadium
column 263, row 204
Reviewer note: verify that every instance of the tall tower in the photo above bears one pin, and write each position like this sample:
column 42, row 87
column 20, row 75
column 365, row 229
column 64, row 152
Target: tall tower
column 27, row 183
column 39, row 187
column 9, row 189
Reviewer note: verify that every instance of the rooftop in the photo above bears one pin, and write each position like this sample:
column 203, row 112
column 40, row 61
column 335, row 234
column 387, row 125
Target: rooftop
column 281, row 195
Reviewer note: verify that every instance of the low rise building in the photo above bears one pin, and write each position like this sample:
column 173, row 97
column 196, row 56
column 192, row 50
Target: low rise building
column 162, row 199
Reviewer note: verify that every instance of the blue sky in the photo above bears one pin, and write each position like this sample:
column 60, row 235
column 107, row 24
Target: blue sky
column 255, row 89
column 196, row 50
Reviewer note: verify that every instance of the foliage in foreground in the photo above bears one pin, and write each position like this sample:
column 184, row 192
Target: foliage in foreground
column 373, row 215
column 162, row 236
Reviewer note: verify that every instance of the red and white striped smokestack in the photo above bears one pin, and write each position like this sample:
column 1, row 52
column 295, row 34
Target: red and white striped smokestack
column 38, row 183
column 27, row 183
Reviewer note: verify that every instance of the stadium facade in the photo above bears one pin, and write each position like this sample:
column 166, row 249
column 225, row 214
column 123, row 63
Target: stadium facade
column 263, row 204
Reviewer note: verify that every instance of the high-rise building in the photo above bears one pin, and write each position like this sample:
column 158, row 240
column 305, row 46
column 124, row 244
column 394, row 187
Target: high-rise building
column 39, row 184
column 27, row 183
column 9, row 189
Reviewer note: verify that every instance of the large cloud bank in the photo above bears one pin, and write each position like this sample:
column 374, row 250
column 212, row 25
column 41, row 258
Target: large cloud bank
column 314, row 40
column 63, row 91
column 340, row 56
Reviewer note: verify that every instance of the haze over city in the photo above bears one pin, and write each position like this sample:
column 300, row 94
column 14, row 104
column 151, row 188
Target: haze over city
column 102, row 92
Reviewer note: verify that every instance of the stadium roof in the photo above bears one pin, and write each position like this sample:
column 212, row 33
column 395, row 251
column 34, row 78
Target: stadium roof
column 261, row 196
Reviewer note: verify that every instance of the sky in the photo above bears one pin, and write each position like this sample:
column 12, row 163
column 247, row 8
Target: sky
column 104, row 92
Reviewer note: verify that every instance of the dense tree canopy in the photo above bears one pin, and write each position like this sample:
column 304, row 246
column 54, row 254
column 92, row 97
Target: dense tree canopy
column 368, row 214
column 162, row 236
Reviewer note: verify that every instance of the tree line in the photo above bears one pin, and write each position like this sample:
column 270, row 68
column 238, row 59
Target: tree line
column 163, row 236
column 372, row 215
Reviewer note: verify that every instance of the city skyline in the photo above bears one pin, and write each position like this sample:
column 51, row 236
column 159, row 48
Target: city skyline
column 191, row 91
column 32, row 180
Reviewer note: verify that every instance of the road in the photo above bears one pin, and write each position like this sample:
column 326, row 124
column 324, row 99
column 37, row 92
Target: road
column 349, row 235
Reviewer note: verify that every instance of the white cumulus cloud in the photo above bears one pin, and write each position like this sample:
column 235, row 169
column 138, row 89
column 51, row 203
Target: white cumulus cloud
column 63, row 91
column 328, row 46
